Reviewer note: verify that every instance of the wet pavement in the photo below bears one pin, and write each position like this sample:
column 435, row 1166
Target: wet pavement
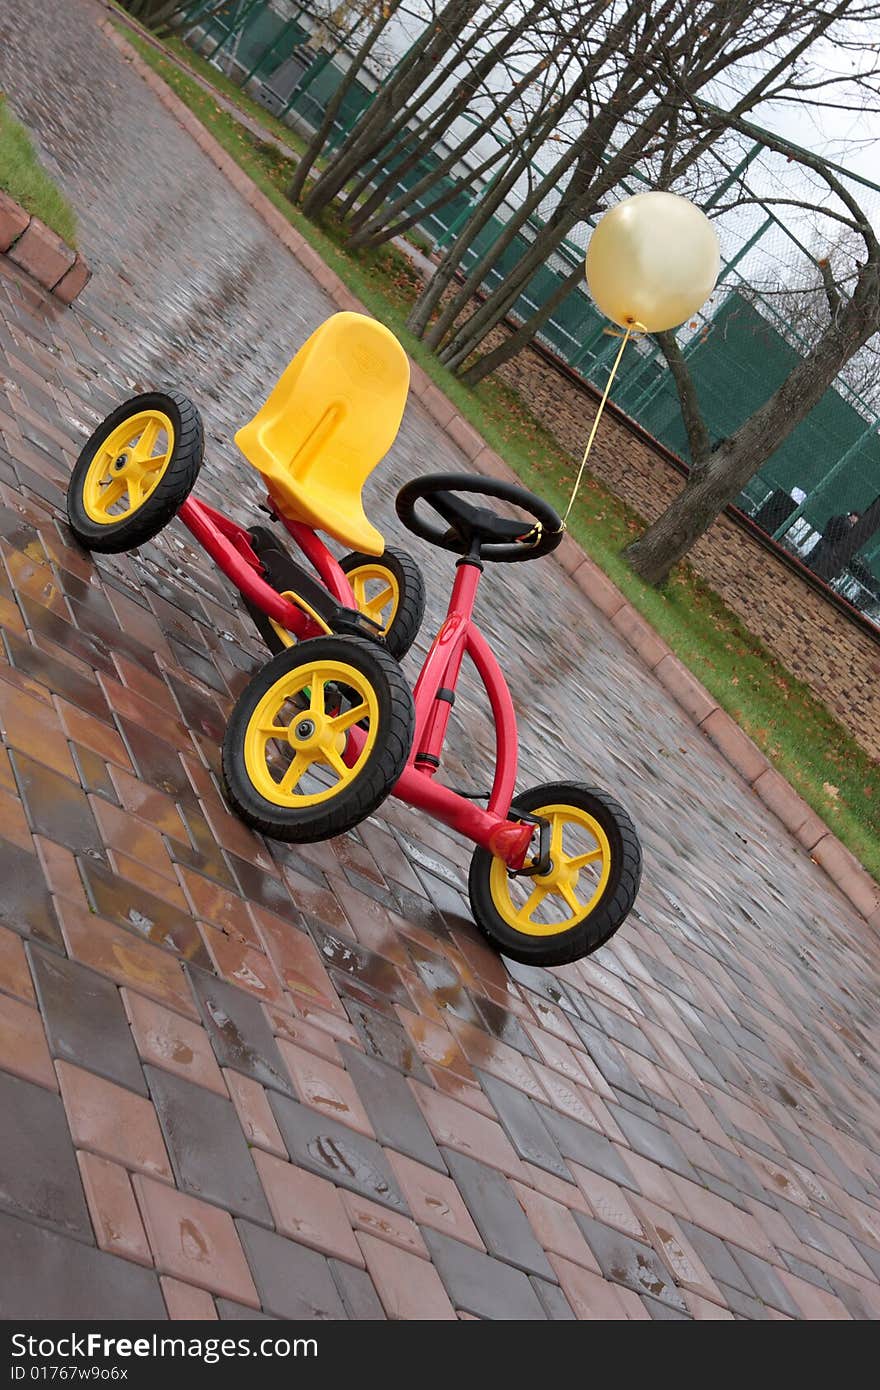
column 249, row 1076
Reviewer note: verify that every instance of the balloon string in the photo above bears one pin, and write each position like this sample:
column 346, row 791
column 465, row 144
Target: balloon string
column 631, row 328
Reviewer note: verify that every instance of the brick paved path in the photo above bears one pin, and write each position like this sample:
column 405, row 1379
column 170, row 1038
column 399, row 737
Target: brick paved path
column 238, row 1075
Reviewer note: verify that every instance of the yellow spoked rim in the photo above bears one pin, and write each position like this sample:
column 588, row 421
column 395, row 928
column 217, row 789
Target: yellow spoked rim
column 580, row 865
column 288, row 638
column 128, row 467
column 296, row 737
column 376, row 592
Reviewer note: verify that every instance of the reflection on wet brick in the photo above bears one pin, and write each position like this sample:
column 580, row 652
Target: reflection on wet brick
column 384, row 1038
column 241, row 1037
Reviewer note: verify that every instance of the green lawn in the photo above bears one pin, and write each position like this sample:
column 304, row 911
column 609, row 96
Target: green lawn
column 24, row 179
column 796, row 731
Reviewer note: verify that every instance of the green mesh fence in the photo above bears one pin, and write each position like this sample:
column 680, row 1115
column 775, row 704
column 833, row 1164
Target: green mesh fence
column 739, row 348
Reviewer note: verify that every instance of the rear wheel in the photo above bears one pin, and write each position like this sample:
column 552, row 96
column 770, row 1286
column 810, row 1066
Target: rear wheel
column 389, row 588
column 318, row 738
column 573, row 909
column 135, row 472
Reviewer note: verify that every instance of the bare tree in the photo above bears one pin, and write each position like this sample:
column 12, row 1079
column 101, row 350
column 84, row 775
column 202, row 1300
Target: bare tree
column 716, row 478
column 652, row 113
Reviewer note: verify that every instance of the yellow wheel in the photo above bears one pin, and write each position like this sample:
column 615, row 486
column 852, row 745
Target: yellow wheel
column 583, row 893
column 389, row 589
column 291, row 765
column 135, row 471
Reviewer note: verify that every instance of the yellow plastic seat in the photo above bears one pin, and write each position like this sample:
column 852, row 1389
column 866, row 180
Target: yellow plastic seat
column 332, row 416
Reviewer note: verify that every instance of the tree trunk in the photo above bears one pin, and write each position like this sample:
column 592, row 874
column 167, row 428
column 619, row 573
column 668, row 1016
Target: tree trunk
column 418, row 63
column 710, row 489
column 316, row 144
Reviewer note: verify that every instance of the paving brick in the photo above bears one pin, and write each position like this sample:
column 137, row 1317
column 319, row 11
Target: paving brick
column 307, row 1208
column 357, row 1291
column 585, row 1146
column 27, row 724
column 333, row 1151
column 524, row 1126
column 629, row 1262
column 409, row 1287
column 67, row 1280
column 56, row 808
column 396, row 1119
column 368, row 1216
column 675, row 1250
column 113, row 1209
column 209, row 1154
column 462, row 1129
column 293, row 1282
column 480, row 1285
column 194, row 1242
column 240, row 1035
column 555, row 1227
column 592, row 1298
column 112, row 1122
column 325, row 1087
column 434, row 1200
column 39, row 1178
column 188, row 1304
column 23, row 1049
column 25, row 904
column 254, row 1113
column 174, row 1043
column 386, row 1039
column 497, row 1214
column 85, row 1020
column 124, row 958
column 15, row 977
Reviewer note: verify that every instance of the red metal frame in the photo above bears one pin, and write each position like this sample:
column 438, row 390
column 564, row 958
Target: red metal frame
column 229, row 546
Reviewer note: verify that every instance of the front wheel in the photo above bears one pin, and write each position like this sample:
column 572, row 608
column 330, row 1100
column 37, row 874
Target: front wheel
column 591, row 885
column 318, row 739
column 135, row 471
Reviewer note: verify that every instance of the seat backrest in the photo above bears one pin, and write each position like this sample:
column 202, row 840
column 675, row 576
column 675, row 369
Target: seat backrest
column 335, row 411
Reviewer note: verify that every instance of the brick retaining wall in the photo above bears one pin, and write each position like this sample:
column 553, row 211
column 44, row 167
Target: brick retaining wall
column 813, row 639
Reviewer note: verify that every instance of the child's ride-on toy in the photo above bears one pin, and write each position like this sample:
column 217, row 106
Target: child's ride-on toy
column 329, row 727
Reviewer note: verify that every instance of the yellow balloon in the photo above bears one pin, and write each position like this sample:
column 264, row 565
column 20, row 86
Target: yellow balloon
column 653, row 259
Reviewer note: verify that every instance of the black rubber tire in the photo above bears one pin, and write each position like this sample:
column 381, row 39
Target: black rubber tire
column 170, row 492
column 376, row 778
column 610, row 911
column 407, row 620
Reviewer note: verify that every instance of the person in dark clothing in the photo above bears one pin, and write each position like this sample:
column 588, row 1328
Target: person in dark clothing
column 778, row 508
column 826, row 559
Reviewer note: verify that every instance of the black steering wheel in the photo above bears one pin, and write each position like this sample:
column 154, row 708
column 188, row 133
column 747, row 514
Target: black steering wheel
column 478, row 531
